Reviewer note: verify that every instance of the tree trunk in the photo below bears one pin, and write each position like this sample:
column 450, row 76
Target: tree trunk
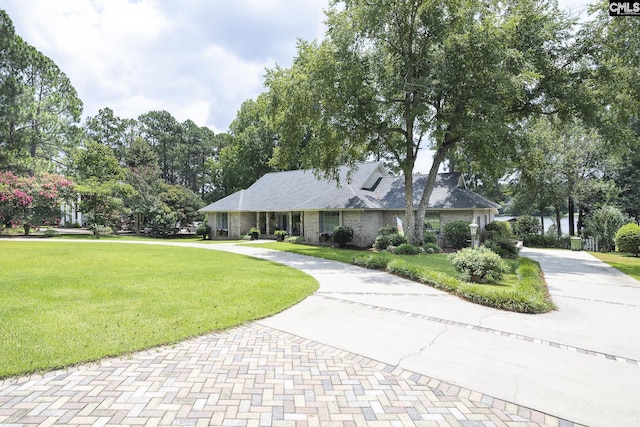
column 558, row 225
column 409, row 220
column 541, row 222
column 572, row 226
column 438, row 158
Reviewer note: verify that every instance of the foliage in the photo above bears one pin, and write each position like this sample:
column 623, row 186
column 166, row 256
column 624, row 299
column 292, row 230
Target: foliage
column 99, row 231
column 114, row 299
column 602, row 224
column 502, row 246
column 280, row 234
column 374, row 261
column 627, row 238
column 295, row 239
column 183, row 202
column 254, row 230
column 432, row 248
column 546, row 241
column 456, row 234
column 429, row 237
column 406, row 249
column 50, row 232
column 388, row 236
column 342, row 235
column 526, row 226
column 478, row 264
column 527, row 296
column 162, row 221
column 383, row 86
column 39, row 106
column 498, row 229
column 248, row 149
column 32, row 200
column 204, row 230
column 387, row 230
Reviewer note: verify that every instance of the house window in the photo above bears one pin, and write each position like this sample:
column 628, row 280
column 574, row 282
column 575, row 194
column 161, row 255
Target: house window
column 222, row 221
column 329, row 221
column 432, row 221
column 283, row 222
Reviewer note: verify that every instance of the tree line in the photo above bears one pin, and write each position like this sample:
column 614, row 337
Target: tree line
column 539, row 110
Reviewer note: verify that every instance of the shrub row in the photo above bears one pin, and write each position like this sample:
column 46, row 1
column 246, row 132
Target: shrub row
column 544, row 241
column 529, row 297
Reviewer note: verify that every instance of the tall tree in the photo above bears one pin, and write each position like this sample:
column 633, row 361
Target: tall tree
column 394, row 75
column 163, row 132
column 247, row 156
column 112, row 131
column 39, row 109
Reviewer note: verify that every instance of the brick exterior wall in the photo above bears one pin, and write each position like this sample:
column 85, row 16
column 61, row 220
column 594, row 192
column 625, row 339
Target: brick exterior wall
column 311, row 227
column 365, row 224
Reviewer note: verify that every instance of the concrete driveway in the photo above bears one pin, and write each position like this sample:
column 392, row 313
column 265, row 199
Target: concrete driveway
column 580, row 363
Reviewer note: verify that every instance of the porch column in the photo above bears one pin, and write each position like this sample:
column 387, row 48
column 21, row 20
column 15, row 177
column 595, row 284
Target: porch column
column 290, row 221
column 258, row 220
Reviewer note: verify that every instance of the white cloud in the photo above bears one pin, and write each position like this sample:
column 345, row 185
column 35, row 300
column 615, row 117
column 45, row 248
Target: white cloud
column 197, row 59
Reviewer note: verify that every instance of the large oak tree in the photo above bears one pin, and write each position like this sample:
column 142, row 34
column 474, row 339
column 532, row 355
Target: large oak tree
column 395, row 76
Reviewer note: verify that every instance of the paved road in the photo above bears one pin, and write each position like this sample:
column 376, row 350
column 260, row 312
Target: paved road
column 373, row 349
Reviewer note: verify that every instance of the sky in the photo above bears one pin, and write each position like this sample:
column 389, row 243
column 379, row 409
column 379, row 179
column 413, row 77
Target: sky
column 197, row 59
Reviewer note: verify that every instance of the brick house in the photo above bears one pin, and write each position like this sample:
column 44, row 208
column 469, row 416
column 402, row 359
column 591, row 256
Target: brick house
column 303, row 205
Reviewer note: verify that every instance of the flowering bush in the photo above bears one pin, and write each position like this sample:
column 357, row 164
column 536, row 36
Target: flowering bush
column 32, row 200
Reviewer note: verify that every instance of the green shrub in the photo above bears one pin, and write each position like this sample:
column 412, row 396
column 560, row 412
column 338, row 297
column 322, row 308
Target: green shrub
column 602, row 224
column 543, row 241
column 381, row 243
column 456, row 234
column 503, row 247
column 496, row 229
column 432, row 248
column 204, row 230
column 374, row 261
column 429, row 237
column 397, row 239
column 526, row 225
column 342, row 235
column 387, row 230
column 406, row 249
column 100, row 230
column 50, row 232
column 478, row 265
column 627, row 238
column 280, row 235
column 295, row 239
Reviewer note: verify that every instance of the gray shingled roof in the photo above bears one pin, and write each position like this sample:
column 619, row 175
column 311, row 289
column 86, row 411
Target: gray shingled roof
column 301, row 191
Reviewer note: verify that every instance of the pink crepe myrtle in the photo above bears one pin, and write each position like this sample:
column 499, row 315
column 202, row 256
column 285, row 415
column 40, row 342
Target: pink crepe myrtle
column 32, row 200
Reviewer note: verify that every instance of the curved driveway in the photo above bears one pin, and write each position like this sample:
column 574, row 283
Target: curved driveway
column 373, row 349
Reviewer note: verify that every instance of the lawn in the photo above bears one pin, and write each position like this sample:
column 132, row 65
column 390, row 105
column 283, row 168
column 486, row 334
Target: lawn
column 522, row 289
column 628, row 264
column 64, row 303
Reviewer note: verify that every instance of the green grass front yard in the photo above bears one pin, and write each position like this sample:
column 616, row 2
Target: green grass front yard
column 628, row 264
column 64, row 303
